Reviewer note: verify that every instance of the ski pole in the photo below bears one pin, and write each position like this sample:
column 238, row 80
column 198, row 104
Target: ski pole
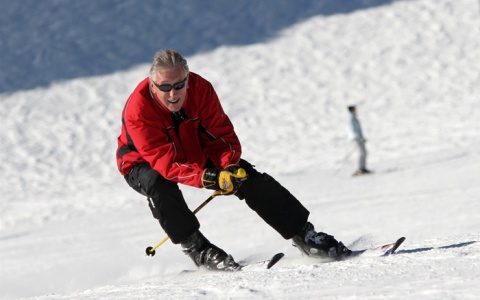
column 150, row 251
column 347, row 157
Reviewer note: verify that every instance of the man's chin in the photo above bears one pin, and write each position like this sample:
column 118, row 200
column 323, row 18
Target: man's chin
column 174, row 108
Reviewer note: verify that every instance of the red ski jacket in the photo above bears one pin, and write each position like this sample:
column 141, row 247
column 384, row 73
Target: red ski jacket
column 177, row 150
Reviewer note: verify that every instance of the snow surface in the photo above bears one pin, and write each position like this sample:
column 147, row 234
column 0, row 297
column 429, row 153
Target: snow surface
column 71, row 228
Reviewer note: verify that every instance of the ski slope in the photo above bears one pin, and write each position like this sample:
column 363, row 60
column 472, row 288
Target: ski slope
column 71, row 228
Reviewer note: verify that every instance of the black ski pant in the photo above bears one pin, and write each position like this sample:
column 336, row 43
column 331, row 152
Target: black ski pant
column 262, row 193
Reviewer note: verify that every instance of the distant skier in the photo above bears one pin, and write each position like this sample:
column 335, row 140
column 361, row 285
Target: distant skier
column 355, row 133
column 174, row 130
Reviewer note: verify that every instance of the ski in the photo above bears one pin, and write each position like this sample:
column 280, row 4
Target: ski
column 386, row 171
column 263, row 264
column 383, row 250
column 246, row 266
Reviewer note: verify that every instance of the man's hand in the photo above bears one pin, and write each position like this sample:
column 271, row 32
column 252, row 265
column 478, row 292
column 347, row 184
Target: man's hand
column 226, row 181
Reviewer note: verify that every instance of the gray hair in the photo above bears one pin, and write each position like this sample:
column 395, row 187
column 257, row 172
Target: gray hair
column 167, row 59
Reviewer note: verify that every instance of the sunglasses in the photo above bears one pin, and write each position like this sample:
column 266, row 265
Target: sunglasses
column 168, row 87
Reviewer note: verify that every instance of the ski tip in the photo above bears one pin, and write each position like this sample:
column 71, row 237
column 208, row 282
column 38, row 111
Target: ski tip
column 275, row 259
column 397, row 244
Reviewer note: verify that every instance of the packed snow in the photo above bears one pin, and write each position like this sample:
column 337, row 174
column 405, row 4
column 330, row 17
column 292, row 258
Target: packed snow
column 71, row 228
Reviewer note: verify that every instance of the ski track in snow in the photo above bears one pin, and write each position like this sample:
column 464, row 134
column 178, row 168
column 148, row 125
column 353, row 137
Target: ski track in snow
column 70, row 227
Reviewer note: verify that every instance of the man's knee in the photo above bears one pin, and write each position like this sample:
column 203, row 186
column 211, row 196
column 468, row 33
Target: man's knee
column 148, row 182
column 255, row 182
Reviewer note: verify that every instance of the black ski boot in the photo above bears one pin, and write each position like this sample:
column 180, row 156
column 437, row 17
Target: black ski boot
column 319, row 244
column 205, row 254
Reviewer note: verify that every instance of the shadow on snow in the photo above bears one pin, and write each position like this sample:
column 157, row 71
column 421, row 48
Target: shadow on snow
column 45, row 41
column 459, row 245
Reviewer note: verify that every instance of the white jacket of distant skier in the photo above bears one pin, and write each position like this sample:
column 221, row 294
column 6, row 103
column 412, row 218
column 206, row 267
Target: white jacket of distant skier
column 354, row 128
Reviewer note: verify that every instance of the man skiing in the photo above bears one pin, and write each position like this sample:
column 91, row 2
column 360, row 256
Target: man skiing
column 355, row 132
column 174, row 130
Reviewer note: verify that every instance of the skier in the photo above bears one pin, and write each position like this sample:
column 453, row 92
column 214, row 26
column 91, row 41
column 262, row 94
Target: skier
column 355, row 132
column 174, row 130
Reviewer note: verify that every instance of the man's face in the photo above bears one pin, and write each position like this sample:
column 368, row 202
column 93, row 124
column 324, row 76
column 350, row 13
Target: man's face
column 170, row 87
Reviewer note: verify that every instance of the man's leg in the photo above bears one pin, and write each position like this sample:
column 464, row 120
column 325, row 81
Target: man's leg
column 166, row 202
column 179, row 222
column 272, row 202
column 282, row 211
column 362, row 163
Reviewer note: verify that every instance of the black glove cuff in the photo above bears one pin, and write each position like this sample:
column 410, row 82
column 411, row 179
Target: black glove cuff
column 210, row 178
